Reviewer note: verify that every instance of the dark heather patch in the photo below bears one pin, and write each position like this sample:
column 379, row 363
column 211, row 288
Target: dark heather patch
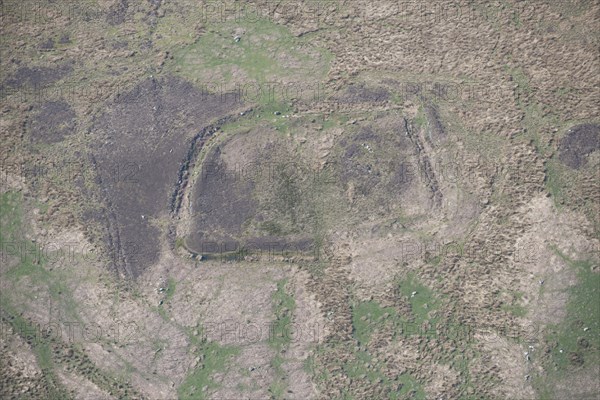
column 142, row 140
column 221, row 204
column 579, row 142
column 436, row 132
column 37, row 76
column 359, row 93
column 47, row 45
column 117, row 13
column 53, row 121
column 264, row 210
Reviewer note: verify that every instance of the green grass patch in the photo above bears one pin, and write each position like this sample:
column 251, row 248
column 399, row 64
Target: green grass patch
column 11, row 214
column 555, row 182
column 170, row 290
column 364, row 367
column 368, row 316
column 421, row 298
column 411, row 388
column 283, row 307
column 31, row 256
column 198, row 384
column 580, row 346
column 271, row 227
column 420, row 120
column 265, row 52
column 168, row 295
column 583, row 311
column 515, row 308
column 279, row 385
column 521, row 80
